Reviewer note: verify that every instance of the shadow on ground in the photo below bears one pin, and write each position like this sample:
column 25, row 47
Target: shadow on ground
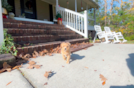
column 130, row 64
column 128, row 86
column 76, row 57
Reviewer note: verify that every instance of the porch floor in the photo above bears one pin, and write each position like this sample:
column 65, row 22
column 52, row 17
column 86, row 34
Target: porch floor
column 115, row 62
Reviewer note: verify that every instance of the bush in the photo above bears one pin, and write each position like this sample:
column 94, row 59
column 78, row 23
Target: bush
column 8, row 45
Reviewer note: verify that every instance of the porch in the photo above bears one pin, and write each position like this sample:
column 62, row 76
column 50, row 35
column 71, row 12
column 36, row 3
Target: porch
column 44, row 11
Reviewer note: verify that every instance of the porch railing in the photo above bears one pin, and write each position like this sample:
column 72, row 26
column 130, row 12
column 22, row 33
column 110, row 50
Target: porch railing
column 75, row 21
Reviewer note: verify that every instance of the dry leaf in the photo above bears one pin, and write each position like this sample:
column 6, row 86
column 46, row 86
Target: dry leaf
column 45, row 51
column 32, row 63
column 30, row 67
column 27, row 56
column 36, row 53
column 47, row 74
column 86, row 67
column 50, row 54
column 5, row 65
column 103, row 83
column 103, row 59
column 2, row 70
column 8, row 83
column 34, row 56
column 9, row 69
column 102, row 78
column 63, row 66
column 95, row 70
column 41, row 53
column 37, row 66
column 17, row 67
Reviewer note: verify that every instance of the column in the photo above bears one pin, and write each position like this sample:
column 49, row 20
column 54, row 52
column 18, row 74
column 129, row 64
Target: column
column 57, row 5
column 75, row 5
column 1, row 25
column 86, row 24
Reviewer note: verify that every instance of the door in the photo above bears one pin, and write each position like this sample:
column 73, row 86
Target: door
column 51, row 12
column 11, row 2
column 28, row 7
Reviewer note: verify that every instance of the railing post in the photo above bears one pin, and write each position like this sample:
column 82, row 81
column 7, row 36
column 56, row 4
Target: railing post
column 1, row 25
column 57, row 5
column 85, row 24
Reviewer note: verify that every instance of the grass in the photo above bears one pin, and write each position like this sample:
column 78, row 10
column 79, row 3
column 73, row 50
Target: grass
column 130, row 42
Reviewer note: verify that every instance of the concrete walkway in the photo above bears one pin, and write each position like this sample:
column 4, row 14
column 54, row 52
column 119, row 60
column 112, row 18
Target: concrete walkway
column 113, row 61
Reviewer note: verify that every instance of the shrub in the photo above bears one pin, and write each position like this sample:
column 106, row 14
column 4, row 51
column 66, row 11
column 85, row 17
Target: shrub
column 8, row 45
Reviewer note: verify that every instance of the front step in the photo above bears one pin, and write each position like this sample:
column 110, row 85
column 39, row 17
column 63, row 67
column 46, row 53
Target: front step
column 32, row 36
column 48, row 46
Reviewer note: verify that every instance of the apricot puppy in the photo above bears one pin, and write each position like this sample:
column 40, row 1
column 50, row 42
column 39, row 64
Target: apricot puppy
column 65, row 51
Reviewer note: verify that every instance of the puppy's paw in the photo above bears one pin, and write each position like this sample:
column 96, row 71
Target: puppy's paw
column 67, row 62
column 64, row 58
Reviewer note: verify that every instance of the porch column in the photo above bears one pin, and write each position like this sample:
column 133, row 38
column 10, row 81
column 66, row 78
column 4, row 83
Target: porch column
column 86, row 23
column 1, row 25
column 57, row 5
column 94, row 16
column 75, row 5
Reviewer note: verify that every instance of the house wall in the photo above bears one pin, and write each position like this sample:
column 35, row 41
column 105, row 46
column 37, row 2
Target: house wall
column 17, row 8
column 42, row 9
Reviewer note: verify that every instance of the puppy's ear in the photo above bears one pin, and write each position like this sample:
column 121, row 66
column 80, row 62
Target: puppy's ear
column 61, row 45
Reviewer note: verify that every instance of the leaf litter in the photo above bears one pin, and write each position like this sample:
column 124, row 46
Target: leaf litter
column 103, row 79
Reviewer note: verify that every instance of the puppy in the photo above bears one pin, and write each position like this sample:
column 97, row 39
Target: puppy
column 65, row 51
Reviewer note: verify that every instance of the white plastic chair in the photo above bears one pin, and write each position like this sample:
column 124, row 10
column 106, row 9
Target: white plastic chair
column 101, row 34
column 117, row 35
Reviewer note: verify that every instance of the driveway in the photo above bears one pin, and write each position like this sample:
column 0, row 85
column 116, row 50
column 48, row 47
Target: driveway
column 114, row 61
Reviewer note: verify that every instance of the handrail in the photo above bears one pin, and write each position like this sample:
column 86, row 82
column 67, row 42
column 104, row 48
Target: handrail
column 73, row 12
column 75, row 21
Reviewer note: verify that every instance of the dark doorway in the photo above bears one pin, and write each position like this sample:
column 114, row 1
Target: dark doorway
column 11, row 2
column 28, row 7
column 51, row 12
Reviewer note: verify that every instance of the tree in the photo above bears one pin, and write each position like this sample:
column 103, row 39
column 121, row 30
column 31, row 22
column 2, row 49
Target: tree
column 105, row 12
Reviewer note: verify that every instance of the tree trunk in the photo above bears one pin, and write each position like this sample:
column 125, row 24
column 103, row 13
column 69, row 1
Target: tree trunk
column 105, row 12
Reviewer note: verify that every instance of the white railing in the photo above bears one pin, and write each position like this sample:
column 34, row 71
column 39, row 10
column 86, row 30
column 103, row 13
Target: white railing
column 75, row 21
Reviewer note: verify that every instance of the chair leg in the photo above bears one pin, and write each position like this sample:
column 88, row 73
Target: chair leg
column 95, row 38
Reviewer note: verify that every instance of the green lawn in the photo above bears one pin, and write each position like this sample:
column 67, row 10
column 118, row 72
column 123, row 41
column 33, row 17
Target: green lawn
column 130, row 42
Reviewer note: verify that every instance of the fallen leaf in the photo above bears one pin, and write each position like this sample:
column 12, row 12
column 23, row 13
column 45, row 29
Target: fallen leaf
column 102, row 78
column 103, row 59
column 85, row 49
column 30, row 67
column 34, row 56
column 46, row 83
column 95, row 70
column 86, row 67
column 41, row 53
column 9, row 83
column 27, row 56
column 5, row 65
column 103, row 83
column 47, row 74
column 2, row 70
column 63, row 66
column 32, row 63
column 9, row 69
column 37, row 66
column 36, row 53
column 17, row 67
